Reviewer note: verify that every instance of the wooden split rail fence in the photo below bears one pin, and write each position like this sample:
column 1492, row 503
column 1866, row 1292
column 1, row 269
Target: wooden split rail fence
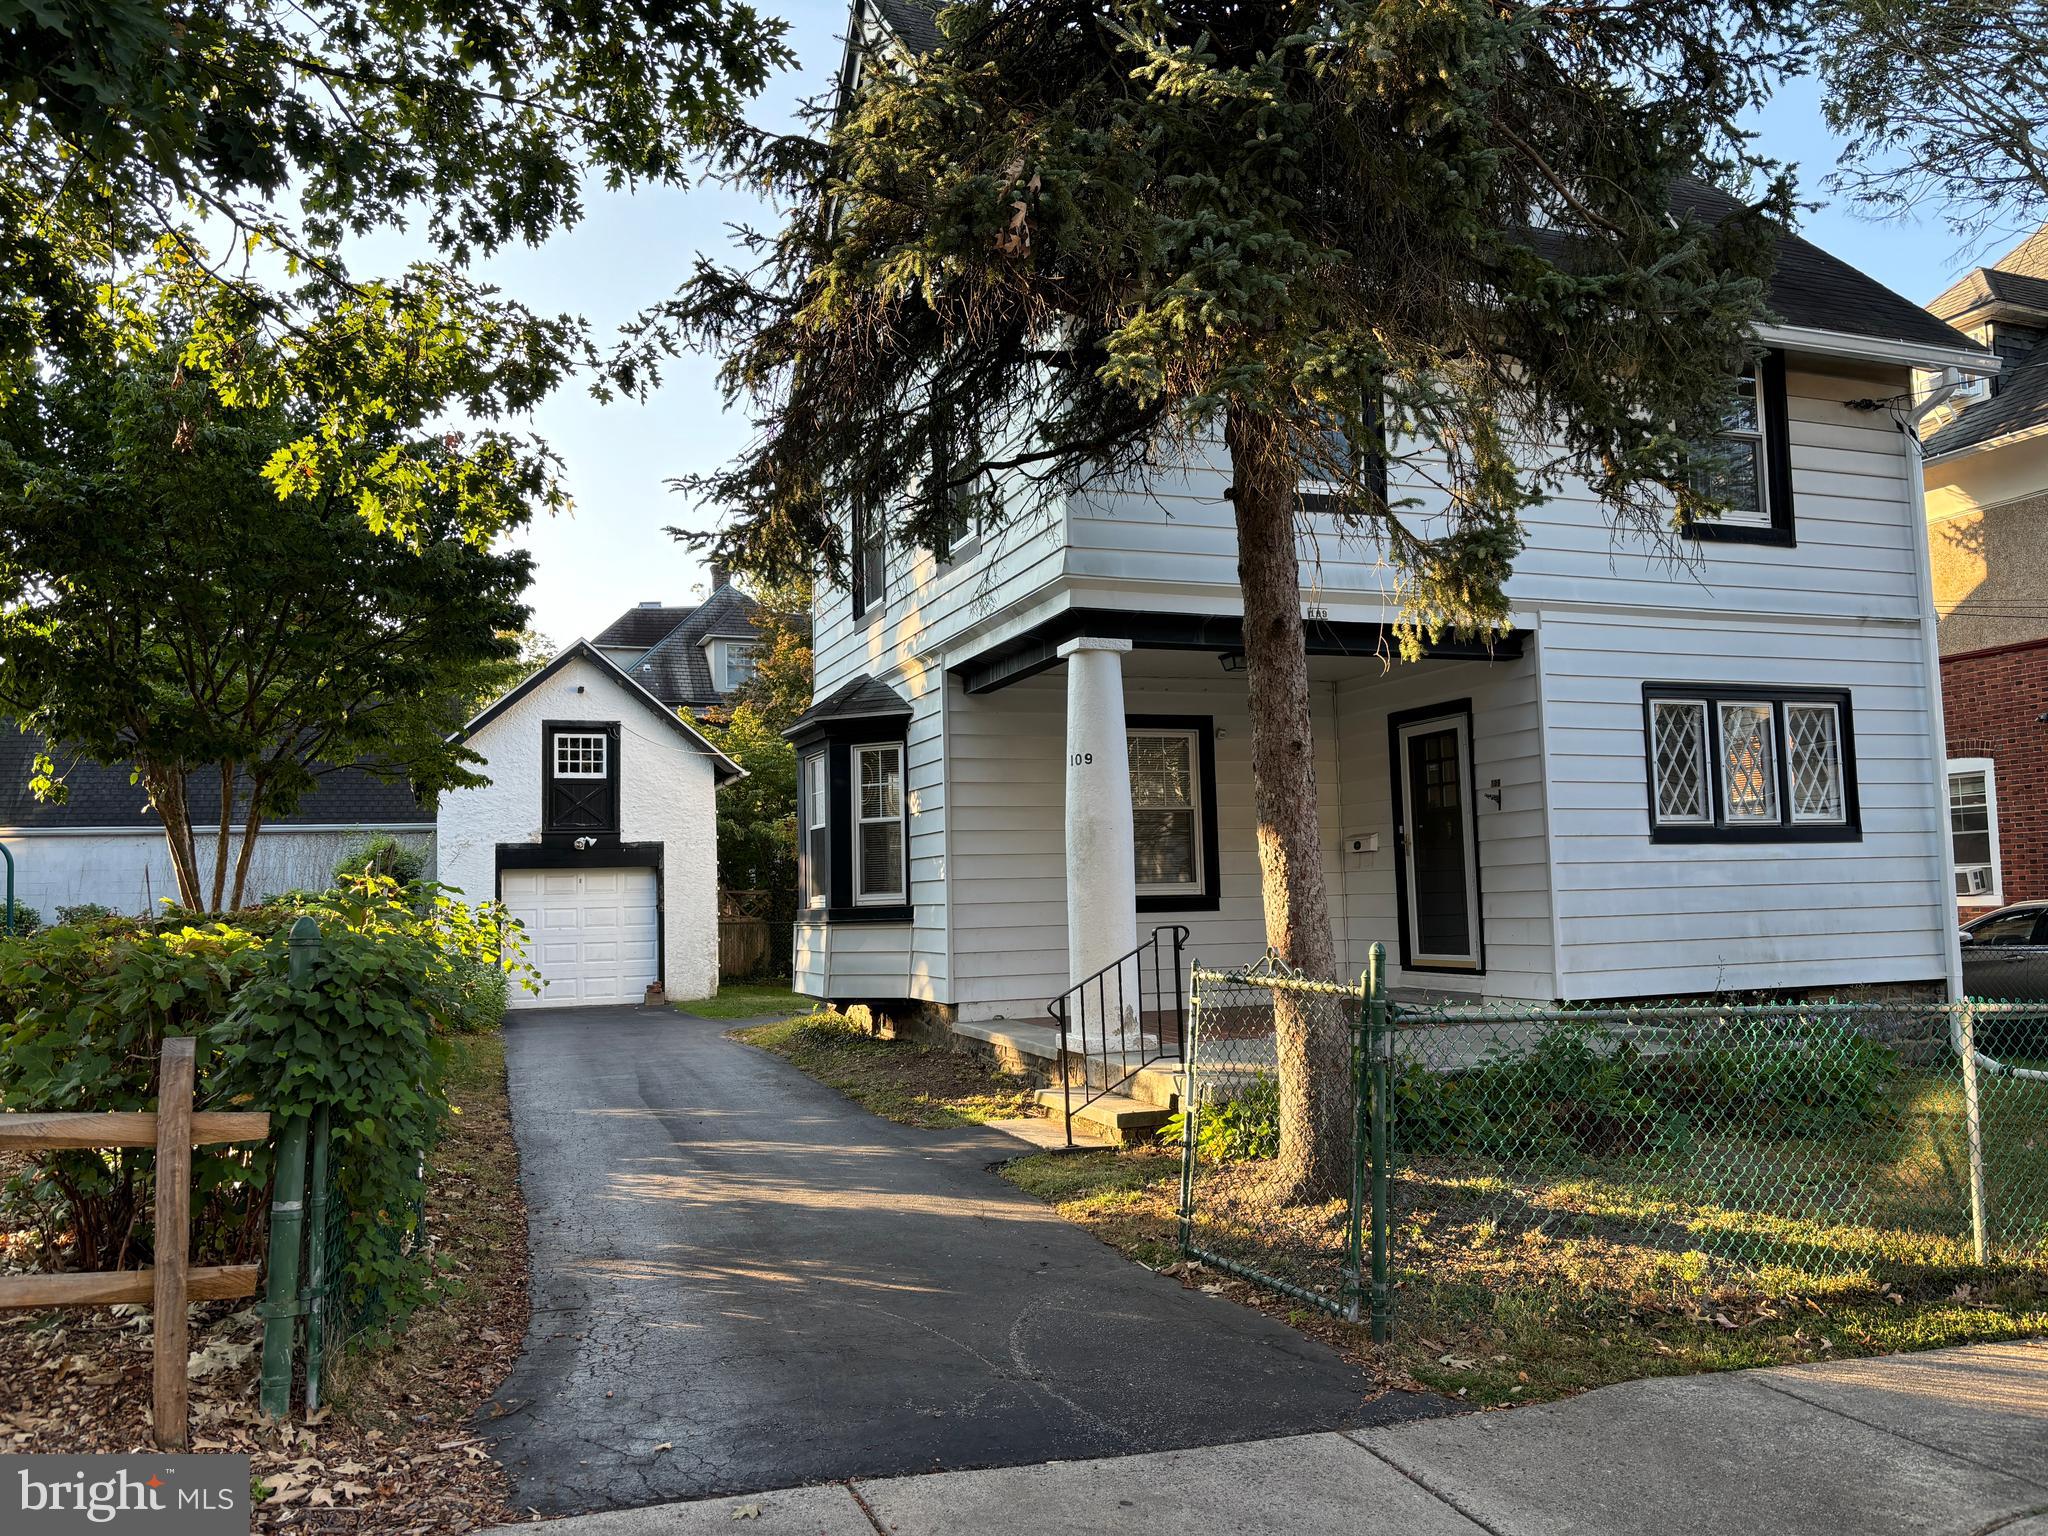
column 174, row 1130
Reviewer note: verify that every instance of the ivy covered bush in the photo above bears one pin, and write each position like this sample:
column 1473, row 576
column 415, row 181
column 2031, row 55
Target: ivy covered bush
column 84, row 1011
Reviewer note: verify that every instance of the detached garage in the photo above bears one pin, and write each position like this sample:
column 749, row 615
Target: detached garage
column 598, row 831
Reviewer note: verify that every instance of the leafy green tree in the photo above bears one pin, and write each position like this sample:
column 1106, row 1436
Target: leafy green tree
column 757, row 814
column 293, row 126
column 1947, row 102
column 780, row 688
column 163, row 604
column 1072, row 241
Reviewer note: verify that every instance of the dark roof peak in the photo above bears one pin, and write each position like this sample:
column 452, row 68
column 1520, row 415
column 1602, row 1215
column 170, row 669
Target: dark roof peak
column 675, row 668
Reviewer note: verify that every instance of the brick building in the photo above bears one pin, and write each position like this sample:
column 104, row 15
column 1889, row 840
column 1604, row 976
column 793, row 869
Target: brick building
column 1994, row 701
column 1987, row 513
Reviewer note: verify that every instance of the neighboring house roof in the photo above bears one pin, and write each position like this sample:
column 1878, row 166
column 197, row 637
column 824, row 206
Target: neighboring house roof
column 915, row 24
column 858, row 698
column 2017, row 281
column 724, row 767
column 102, row 797
column 676, row 670
column 2020, row 406
column 641, row 627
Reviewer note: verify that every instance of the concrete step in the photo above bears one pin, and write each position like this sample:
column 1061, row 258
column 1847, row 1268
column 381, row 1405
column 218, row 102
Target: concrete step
column 1117, row 1116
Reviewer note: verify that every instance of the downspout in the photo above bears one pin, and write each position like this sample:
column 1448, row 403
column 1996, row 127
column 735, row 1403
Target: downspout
column 8, row 854
column 1930, row 650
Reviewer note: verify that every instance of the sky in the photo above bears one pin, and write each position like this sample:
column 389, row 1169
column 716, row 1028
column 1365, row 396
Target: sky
column 631, row 248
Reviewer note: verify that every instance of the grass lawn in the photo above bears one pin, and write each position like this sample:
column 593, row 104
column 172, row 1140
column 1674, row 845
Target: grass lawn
column 750, row 1000
column 1504, row 1312
column 897, row 1079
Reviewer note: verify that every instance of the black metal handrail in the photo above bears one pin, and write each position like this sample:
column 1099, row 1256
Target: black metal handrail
column 1161, row 1029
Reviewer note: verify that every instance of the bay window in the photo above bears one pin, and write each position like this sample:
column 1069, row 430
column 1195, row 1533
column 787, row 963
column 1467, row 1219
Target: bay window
column 879, row 876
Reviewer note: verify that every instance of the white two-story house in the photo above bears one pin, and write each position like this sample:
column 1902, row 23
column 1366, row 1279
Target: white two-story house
column 1701, row 765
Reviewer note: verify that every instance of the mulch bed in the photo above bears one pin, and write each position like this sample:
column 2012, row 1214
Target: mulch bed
column 395, row 1452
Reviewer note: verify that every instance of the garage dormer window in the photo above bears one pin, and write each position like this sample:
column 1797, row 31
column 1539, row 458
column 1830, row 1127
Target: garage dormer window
column 580, row 755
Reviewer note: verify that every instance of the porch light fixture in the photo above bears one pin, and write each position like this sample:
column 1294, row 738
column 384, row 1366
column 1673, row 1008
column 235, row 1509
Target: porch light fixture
column 1233, row 661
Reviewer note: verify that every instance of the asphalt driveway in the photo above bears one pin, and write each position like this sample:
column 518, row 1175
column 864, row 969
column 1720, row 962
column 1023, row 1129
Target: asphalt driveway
column 742, row 1281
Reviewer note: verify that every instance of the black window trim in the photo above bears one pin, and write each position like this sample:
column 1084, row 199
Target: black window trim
column 549, row 729
column 837, row 740
column 866, row 604
column 1775, row 416
column 1376, row 470
column 1207, row 895
column 1785, row 829
column 901, row 748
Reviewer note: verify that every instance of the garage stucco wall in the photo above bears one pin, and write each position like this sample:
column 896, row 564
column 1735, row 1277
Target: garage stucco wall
column 667, row 791
column 130, row 871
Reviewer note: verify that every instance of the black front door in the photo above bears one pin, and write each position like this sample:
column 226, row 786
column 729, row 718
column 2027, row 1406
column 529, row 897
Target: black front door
column 1437, row 846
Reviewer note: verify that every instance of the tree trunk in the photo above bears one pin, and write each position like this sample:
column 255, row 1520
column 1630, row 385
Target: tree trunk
column 220, row 846
column 249, row 830
column 1311, row 1036
column 166, row 791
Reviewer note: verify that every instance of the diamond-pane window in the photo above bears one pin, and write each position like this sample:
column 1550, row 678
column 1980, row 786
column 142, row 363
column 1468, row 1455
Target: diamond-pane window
column 1749, row 773
column 1813, row 736
column 1680, row 755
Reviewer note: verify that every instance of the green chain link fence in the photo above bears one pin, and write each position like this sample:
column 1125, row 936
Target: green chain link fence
column 1814, row 1139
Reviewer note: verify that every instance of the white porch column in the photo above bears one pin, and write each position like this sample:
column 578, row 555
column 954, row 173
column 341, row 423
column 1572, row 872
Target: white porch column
column 1102, row 880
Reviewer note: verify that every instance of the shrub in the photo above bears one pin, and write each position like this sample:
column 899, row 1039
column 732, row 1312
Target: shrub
column 27, row 920
column 84, row 1010
column 384, row 855
column 1231, row 1129
column 85, row 912
column 1582, row 1091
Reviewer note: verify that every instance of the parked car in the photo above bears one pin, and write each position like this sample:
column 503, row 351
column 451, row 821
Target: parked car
column 2005, row 953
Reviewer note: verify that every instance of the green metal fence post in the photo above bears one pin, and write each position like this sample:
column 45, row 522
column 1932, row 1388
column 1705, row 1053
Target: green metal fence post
column 287, row 1218
column 8, row 854
column 1379, row 1052
column 1973, row 1124
column 316, row 1262
column 1189, row 1111
column 1361, row 1131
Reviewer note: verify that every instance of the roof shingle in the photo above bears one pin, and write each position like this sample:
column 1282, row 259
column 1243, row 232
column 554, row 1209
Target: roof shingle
column 675, row 669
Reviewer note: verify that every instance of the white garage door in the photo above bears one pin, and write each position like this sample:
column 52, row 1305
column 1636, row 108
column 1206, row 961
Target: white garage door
column 590, row 933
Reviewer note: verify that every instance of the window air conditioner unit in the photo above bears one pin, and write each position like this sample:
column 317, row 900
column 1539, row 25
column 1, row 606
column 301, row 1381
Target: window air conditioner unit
column 1973, row 880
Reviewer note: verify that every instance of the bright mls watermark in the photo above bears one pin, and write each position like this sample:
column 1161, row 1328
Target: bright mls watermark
column 160, row 1495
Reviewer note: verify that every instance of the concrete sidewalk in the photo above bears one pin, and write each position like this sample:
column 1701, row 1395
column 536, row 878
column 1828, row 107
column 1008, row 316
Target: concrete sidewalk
column 1953, row 1441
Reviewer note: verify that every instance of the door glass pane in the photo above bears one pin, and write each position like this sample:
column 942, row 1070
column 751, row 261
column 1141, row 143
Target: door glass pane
column 1436, row 844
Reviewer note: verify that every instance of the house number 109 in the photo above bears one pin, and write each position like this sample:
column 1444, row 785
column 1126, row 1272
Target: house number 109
column 1080, row 759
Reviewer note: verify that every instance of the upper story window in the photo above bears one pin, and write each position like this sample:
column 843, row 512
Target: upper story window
column 1747, row 467
column 1730, row 764
column 1973, row 826
column 736, row 665
column 959, row 534
column 879, row 830
column 870, row 561
column 581, row 754
column 1326, row 495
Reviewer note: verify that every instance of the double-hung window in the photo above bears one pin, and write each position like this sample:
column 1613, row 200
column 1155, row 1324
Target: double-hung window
column 1321, row 493
column 878, row 833
column 1166, row 821
column 816, row 802
column 870, row 560
column 1741, row 764
column 1973, row 826
column 1746, row 468
column 960, row 506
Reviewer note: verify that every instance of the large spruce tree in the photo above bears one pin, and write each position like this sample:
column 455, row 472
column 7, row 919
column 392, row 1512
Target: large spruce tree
column 1064, row 242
